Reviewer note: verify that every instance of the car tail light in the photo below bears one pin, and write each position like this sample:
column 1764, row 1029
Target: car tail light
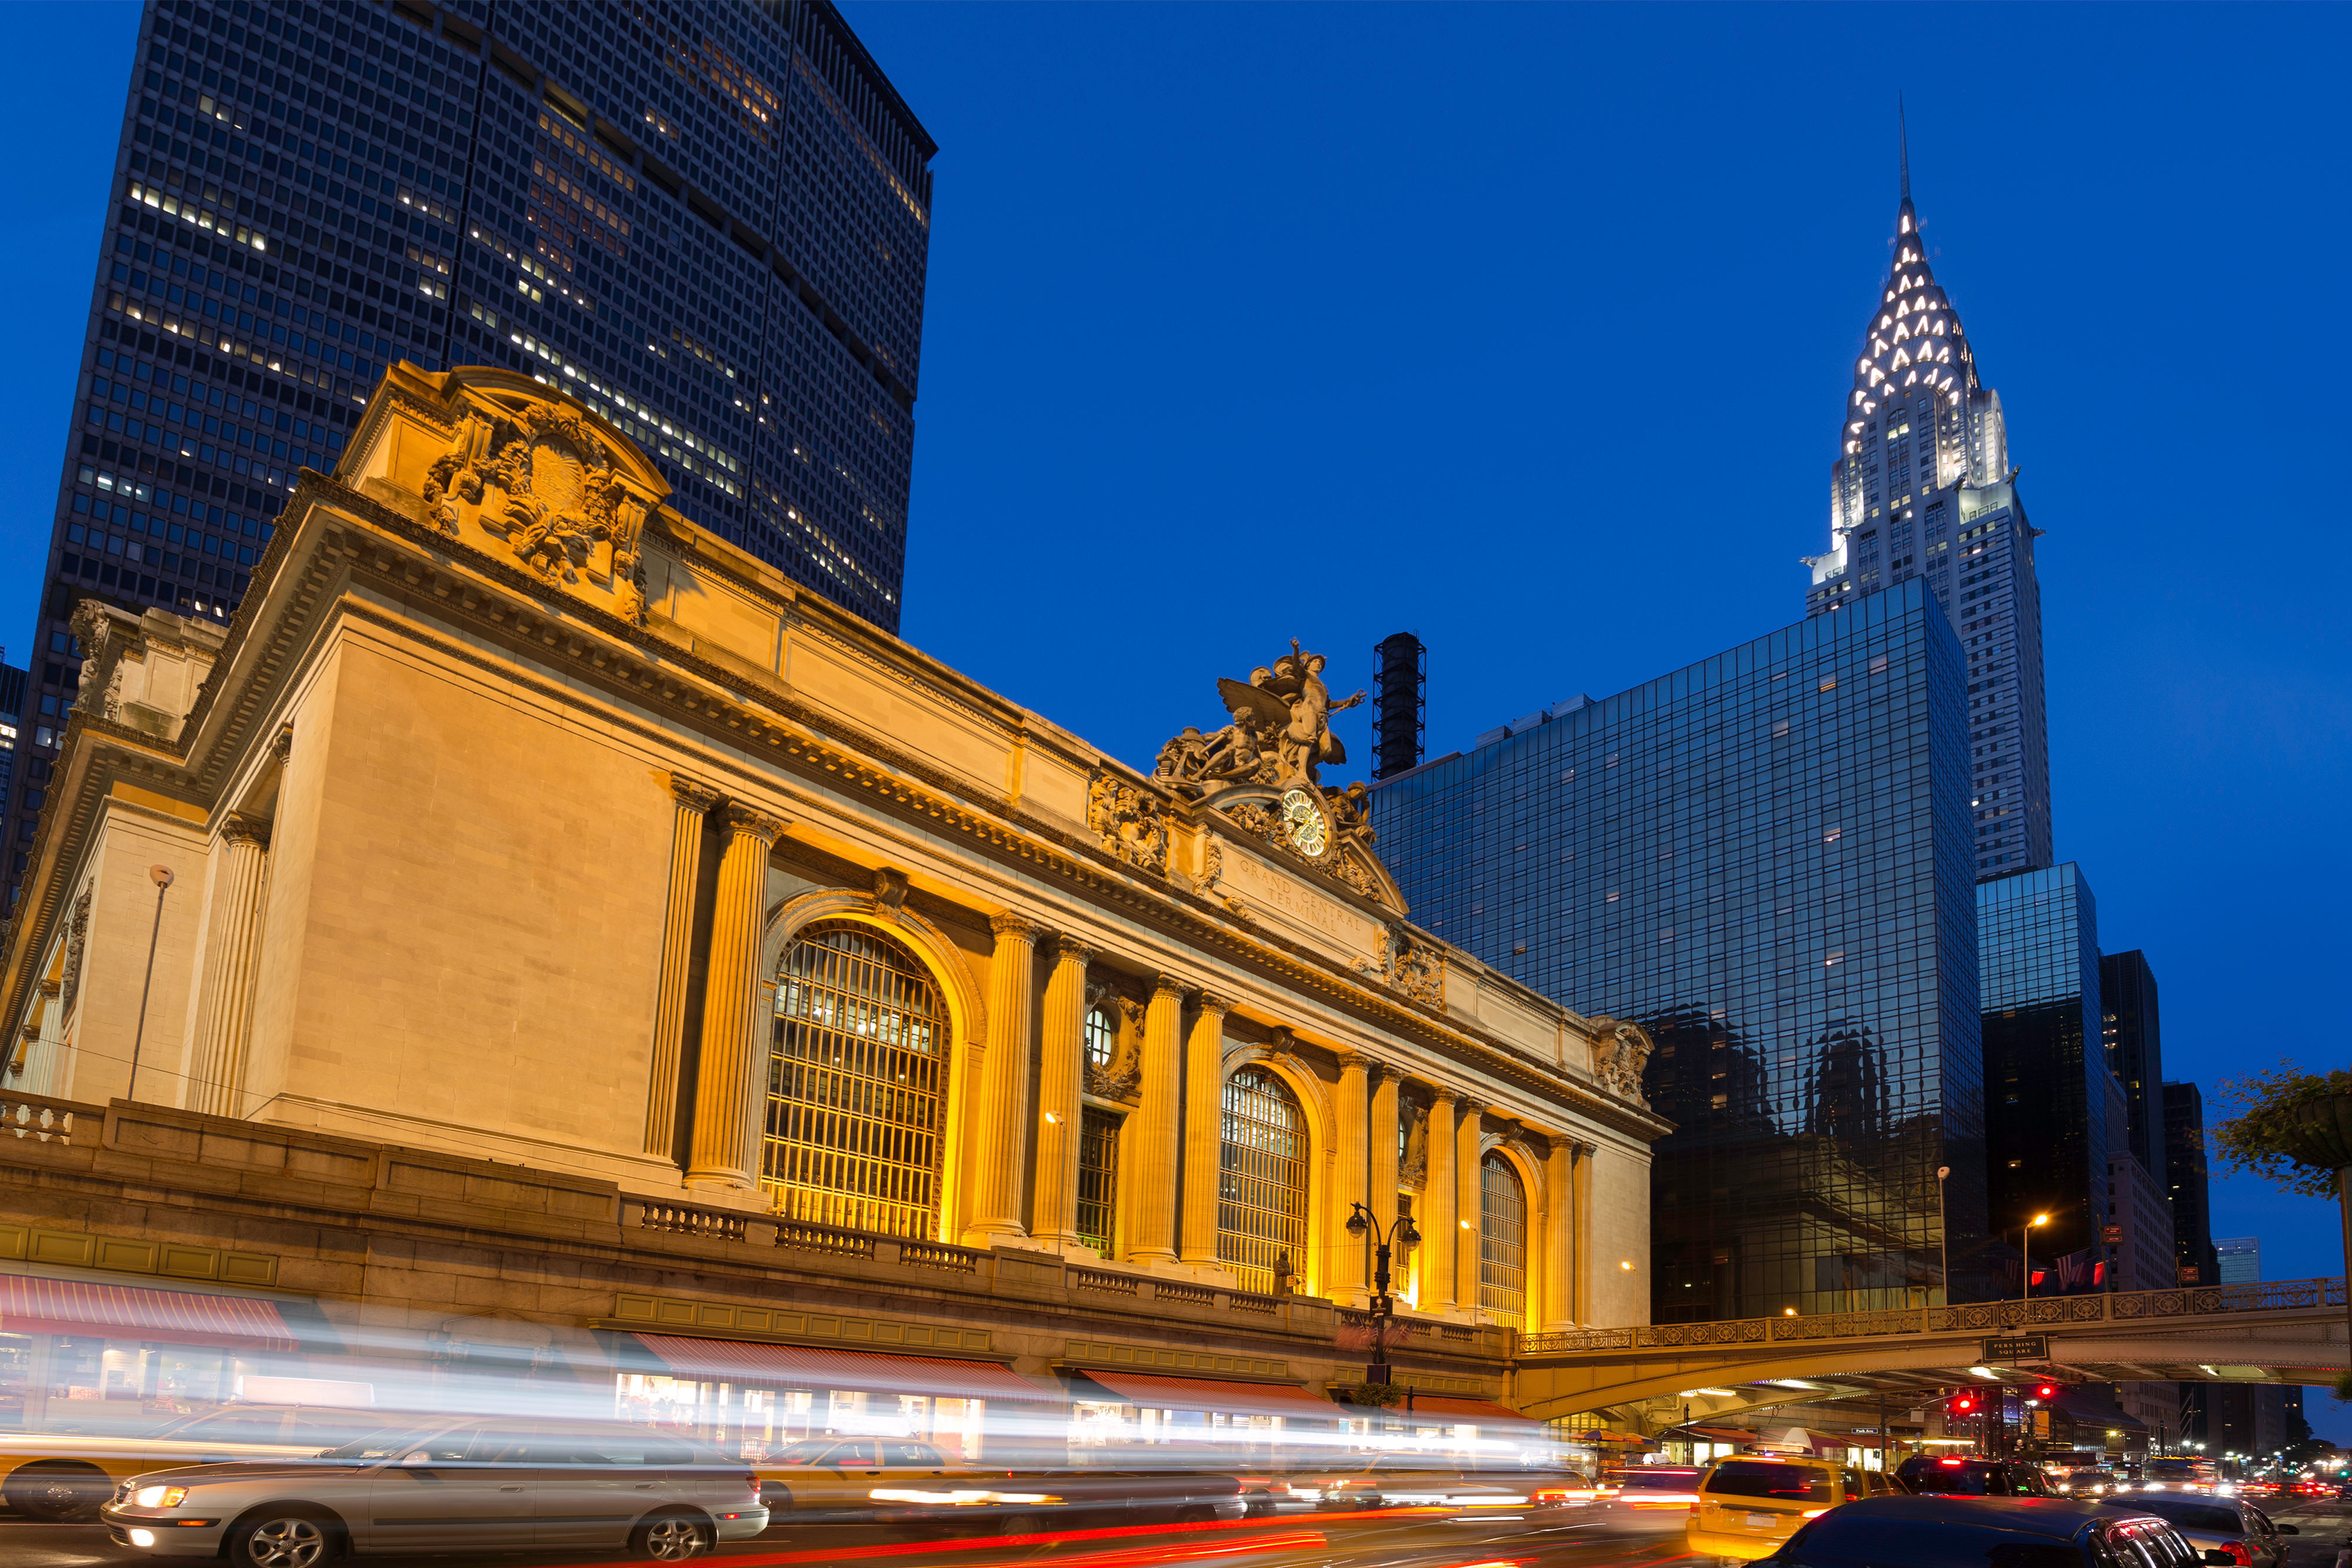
column 754, row 1479
column 2238, row 1553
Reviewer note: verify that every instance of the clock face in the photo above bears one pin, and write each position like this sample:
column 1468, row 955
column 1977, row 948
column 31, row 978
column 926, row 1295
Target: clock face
column 1302, row 818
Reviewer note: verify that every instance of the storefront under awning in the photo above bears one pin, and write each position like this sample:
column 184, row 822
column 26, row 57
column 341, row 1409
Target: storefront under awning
column 30, row 1304
column 1215, row 1396
column 812, row 1366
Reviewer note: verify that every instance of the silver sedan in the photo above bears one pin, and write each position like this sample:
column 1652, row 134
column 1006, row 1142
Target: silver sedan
column 454, row 1486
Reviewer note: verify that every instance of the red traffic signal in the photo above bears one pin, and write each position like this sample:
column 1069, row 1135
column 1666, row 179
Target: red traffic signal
column 2045, row 1391
column 1964, row 1405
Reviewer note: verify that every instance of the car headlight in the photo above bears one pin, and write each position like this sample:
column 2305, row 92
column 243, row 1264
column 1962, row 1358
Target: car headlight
column 160, row 1497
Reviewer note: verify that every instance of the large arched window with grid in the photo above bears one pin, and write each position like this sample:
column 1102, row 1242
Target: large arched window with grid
column 1262, row 1179
column 855, row 1078
column 1502, row 1239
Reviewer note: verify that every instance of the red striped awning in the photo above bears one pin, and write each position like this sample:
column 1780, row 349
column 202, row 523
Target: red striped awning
column 811, row 1366
column 1467, row 1410
column 32, row 1305
column 1213, row 1395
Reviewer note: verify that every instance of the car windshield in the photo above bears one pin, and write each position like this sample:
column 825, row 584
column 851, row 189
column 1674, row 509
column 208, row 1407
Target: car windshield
column 1957, row 1480
column 807, row 1451
column 1769, row 1479
column 391, row 1441
column 2194, row 1515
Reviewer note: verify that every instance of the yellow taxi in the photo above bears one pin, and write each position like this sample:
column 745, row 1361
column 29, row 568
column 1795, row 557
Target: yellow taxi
column 1748, row 1505
column 64, row 1475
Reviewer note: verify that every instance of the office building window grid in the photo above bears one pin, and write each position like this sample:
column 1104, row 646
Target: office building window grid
column 1764, row 860
column 2047, row 1087
column 710, row 222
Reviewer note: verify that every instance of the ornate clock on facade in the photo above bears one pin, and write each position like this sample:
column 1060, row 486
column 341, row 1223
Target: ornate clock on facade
column 1303, row 820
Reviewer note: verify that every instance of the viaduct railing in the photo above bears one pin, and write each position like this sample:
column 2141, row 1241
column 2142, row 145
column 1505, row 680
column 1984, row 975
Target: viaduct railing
column 1997, row 1317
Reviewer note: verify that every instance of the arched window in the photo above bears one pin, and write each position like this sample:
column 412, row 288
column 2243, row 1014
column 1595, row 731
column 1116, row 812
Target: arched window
column 1102, row 1041
column 855, row 1078
column 1502, row 1239
column 1262, row 1179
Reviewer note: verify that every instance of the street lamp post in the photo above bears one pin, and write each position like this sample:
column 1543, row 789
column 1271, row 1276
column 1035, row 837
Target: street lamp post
column 2025, row 1247
column 1362, row 1221
column 1944, row 1239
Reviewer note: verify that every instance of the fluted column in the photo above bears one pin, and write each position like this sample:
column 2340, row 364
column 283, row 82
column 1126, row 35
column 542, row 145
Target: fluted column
column 1381, row 1147
column 1001, row 1113
column 1154, row 1143
column 1061, row 1080
column 233, row 942
column 1204, row 1129
column 1558, row 1239
column 1440, row 1238
column 730, row 1080
column 1581, row 1230
column 693, row 803
column 1348, row 1265
column 1470, row 1205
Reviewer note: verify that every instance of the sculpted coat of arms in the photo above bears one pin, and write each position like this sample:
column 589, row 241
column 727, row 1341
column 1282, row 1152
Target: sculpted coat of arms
column 544, row 478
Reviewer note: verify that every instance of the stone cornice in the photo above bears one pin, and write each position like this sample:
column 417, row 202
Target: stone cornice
column 389, row 552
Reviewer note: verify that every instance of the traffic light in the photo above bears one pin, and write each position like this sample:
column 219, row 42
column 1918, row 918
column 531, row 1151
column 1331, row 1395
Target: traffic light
column 2045, row 1391
column 1964, row 1405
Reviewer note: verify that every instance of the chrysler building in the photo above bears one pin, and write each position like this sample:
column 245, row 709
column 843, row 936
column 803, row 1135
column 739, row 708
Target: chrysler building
column 1923, row 487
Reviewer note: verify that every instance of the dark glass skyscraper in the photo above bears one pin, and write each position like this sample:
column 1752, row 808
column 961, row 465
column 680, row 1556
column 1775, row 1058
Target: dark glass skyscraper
column 2185, row 1184
column 2049, row 1098
column 1765, row 860
column 2135, row 1051
column 709, row 221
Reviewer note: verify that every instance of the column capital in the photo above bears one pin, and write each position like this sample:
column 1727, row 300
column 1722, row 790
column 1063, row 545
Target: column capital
column 1357, row 1061
column 1210, row 1002
column 240, row 828
column 693, row 793
column 1069, row 949
column 1012, row 924
column 1166, row 984
column 281, row 745
column 1440, row 1095
column 747, row 820
column 1471, row 1108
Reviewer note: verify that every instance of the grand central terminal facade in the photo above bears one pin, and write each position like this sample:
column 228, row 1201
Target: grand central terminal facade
column 535, row 927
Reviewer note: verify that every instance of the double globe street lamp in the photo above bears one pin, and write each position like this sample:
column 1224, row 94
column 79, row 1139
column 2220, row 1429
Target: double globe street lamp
column 1399, row 1233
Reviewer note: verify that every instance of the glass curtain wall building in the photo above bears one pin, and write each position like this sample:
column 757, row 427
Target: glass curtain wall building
column 710, row 221
column 2185, row 1184
column 1923, row 490
column 2135, row 1051
column 2049, row 1097
column 1764, row 860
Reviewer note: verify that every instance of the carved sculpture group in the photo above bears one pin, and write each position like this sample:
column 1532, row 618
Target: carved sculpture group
column 1280, row 733
column 561, row 502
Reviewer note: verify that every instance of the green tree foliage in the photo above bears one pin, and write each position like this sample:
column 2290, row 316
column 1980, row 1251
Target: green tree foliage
column 2260, row 1136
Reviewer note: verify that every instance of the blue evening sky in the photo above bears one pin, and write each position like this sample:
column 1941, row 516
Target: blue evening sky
column 1526, row 327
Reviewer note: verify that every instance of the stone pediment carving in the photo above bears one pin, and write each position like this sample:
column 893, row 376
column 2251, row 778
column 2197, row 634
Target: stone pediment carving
column 1621, row 1051
column 540, row 479
column 1263, row 771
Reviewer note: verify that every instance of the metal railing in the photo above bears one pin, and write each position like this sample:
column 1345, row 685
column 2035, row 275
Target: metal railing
column 2286, row 1295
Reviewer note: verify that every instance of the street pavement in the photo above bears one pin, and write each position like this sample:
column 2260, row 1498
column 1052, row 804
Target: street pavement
column 1596, row 1536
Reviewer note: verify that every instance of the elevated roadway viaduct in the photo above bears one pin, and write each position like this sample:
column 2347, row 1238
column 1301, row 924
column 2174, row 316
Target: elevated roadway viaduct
column 1645, row 1379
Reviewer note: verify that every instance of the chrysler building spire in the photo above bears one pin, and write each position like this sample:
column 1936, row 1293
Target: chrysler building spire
column 1922, row 486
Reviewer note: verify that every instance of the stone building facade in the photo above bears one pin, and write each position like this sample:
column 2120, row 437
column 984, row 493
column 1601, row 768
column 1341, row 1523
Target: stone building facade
column 533, row 917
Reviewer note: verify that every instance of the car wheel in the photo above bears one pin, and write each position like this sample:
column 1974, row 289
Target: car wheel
column 1005, row 1524
column 56, row 1491
column 283, row 1538
column 670, row 1538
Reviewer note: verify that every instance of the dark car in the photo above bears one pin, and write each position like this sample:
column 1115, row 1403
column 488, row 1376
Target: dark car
column 1984, row 1533
column 2219, row 1524
column 1929, row 1477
